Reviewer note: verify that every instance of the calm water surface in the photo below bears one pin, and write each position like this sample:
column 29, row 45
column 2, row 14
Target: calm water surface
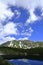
column 26, row 62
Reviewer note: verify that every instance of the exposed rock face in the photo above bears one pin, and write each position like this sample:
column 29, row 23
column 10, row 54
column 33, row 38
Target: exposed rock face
column 26, row 44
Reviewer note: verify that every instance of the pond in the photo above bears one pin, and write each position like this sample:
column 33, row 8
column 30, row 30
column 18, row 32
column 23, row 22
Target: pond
column 26, row 62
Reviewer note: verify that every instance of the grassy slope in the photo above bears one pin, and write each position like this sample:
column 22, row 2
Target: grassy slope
column 24, row 42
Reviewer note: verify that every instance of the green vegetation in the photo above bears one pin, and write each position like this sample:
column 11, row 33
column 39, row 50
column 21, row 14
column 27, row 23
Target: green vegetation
column 14, row 53
column 22, row 48
column 24, row 44
column 18, row 51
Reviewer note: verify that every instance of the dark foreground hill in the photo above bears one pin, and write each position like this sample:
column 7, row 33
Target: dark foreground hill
column 17, row 53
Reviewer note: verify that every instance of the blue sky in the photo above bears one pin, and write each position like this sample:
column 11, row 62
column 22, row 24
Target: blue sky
column 21, row 20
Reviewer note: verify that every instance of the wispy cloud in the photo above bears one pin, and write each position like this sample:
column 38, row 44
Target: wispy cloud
column 24, row 3
column 11, row 27
column 4, row 12
column 23, row 38
column 28, row 33
column 30, row 5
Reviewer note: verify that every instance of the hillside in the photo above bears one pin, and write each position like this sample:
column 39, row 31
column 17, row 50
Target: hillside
column 16, row 53
column 25, row 44
column 22, row 49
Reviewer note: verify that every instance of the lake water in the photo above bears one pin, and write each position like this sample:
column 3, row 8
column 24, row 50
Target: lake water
column 26, row 62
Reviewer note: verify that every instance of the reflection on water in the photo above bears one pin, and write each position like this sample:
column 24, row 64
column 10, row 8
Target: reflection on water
column 26, row 62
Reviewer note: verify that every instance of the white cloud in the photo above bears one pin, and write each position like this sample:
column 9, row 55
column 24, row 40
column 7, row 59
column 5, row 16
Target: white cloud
column 5, row 31
column 30, row 5
column 4, row 12
column 12, row 2
column 24, row 38
column 1, row 30
column 5, row 39
column 32, row 17
column 27, row 33
column 24, row 3
column 30, row 30
column 10, row 28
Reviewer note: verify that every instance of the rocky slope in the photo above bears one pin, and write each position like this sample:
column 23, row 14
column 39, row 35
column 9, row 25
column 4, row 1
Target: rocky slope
column 25, row 44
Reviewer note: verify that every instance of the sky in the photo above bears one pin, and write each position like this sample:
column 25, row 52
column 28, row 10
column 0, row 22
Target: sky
column 21, row 20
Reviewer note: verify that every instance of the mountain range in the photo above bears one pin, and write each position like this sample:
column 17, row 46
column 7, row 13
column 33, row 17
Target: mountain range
column 25, row 44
